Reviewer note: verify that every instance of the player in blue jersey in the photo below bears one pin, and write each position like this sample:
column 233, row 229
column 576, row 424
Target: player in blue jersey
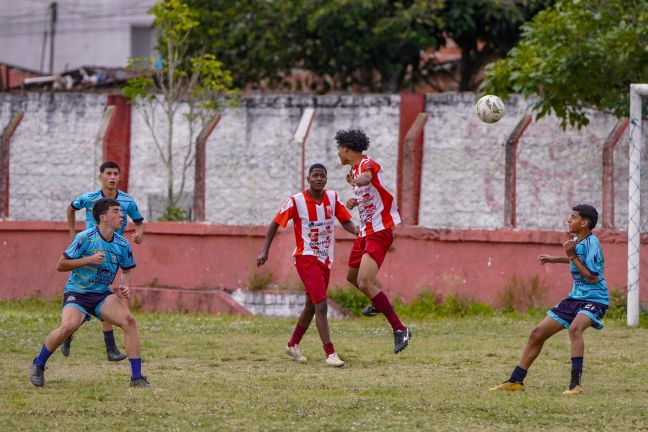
column 583, row 308
column 94, row 257
column 109, row 178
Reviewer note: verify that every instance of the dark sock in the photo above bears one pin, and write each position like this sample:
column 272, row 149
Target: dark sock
column 381, row 302
column 109, row 339
column 43, row 356
column 136, row 368
column 297, row 335
column 329, row 348
column 576, row 372
column 518, row 375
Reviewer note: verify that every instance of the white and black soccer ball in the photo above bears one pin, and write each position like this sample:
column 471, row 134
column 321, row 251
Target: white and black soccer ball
column 490, row 109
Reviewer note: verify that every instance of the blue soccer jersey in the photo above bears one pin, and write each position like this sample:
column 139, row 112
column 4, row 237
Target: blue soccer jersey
column 92, row 277
column 126, row 202
column 589, row 252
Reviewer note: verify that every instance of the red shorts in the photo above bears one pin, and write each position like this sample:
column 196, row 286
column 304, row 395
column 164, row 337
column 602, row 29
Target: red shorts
column 375, row 244
column 315, row 276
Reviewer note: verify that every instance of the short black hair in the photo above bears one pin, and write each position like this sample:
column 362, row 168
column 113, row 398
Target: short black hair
column 109, row 164
column 317, row 166
column 354, row 139
column 588, row 212
column 101, row 207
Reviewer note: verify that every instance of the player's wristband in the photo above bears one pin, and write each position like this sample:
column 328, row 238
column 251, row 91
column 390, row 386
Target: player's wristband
column 573, row 258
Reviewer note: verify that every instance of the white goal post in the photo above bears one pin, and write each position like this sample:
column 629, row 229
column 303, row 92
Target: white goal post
column 634, row 200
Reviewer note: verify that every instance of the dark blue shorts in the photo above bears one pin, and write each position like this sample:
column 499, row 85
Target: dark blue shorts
column 565, row 312
column 88, row 303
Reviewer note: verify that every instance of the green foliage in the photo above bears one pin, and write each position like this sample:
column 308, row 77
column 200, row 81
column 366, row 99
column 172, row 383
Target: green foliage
column 522, row 294
column 427, row 305
column 259, row 280
column 580, row 54
column 485, row 30
column 375, row 45
column 179, row 83
column 349, row 298
column 174, row 214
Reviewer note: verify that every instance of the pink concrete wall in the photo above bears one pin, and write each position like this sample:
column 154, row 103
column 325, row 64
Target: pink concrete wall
column 476, row 264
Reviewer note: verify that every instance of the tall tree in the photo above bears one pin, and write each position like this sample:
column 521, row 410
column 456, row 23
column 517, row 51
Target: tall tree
column 485, row 30
column 180, row 87
column 580, row 54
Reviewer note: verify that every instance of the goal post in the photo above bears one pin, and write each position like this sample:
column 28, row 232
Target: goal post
column 634, row 200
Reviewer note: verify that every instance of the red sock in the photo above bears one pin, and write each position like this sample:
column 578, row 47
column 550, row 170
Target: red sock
column 329, row 349
column 297, row 335
column 381, row 302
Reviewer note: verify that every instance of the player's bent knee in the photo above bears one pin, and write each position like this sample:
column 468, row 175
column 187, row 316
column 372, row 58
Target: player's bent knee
column 575, row 332
column 68, row 328
column 536, row 334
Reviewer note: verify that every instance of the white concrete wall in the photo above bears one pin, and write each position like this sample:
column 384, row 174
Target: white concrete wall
column 253, row 165
column 463, row 167
column 88, row 33
column 54, row 154
column 148, row 174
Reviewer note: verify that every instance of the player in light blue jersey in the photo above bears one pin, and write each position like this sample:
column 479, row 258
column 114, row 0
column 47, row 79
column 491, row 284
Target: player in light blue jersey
column 583, row 308
column 94, row 257
column 109, row 178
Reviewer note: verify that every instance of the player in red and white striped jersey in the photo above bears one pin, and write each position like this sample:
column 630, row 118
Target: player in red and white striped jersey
column 313, row 213
column 378, row 216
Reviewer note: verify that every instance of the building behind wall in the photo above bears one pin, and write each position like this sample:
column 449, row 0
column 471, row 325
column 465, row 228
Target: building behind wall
column 97, row 32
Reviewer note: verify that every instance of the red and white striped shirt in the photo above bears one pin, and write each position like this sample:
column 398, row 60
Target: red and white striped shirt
column 377, row 207
column 313, row 223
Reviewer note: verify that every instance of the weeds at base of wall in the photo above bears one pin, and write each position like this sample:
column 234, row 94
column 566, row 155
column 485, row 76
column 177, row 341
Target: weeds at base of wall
column 427, row 305
column 430, row 305
column 259, row 280
column 522, row 294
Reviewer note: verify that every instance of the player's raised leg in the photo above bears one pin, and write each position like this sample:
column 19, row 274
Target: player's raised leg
column 116, row 313
column 539, row 334
column 366, row 282
column 71, row 320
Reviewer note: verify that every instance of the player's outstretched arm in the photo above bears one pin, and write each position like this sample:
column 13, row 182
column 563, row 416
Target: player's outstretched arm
column 71, row 221
column 65, row 264
column 551, row 259
column 350, row 227
column 270, row 234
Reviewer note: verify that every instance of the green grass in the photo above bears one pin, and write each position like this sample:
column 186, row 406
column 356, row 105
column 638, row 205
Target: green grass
column 230, row 373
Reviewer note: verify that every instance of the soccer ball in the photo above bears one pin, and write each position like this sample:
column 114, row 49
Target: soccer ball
column 490, row 109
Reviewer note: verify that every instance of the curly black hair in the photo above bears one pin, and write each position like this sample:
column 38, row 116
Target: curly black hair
column 354, row 139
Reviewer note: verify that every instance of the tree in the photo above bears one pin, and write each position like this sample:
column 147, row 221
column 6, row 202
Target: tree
column 578, row 55
column 374, row 45
column 485, row 30
column 179, row 85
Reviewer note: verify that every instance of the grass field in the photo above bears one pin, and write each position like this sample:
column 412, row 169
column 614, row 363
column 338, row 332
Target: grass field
column 230, row 373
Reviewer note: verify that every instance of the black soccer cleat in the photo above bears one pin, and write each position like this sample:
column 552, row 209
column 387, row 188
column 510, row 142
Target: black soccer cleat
column 401, row 339
column 65, row 348
column 37, row 375
column 140, row 382
column 114, row 354
column 370, row 311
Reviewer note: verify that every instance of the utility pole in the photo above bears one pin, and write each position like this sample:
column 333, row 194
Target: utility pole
column 53, row 18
